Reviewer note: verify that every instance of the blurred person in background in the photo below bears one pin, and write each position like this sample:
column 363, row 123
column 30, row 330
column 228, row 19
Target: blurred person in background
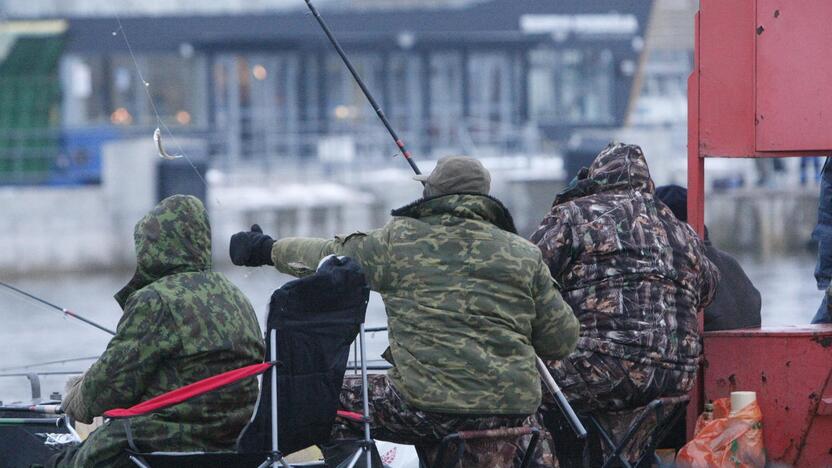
column 737, row 302
column 182, row 323
column 823, row 235
column 805, row 175
column 635, row 276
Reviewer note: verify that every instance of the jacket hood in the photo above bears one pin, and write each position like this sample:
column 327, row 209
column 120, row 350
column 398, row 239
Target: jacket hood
column 175, row 237
column 474, row 206
column 617, row 167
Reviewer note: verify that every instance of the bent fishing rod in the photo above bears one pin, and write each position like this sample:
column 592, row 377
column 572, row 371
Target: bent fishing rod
column 367, row 94
column 66, row 312
column 548, row 380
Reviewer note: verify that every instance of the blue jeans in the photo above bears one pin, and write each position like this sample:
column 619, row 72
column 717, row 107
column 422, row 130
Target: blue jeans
column 822, row 315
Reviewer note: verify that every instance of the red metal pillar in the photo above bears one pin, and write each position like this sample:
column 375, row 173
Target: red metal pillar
column 696, row 205
column 696, row 163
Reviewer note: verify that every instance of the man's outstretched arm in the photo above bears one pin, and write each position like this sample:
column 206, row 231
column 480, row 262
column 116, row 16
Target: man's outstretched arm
column 299, row 256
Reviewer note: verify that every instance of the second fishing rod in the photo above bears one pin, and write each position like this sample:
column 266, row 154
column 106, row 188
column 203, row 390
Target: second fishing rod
column 66, row 312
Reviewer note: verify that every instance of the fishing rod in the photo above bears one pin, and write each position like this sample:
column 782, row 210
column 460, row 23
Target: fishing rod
column 26, row 374
column 61, row 309
column 44, row 409
column 548, row 380
column 367, row 94
column 42, row 422
column 47, row 363
column 560, row 399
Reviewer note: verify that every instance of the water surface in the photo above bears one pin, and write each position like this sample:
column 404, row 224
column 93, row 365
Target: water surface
column 33, row 333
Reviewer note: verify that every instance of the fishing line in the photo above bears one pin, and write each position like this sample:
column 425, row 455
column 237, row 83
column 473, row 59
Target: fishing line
column 159, row 122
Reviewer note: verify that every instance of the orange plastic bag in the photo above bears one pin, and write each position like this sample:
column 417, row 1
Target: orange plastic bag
column 726, row 441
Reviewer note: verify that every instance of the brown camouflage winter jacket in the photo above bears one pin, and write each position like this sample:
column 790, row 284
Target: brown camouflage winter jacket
column 634, row 275
column 468, row 301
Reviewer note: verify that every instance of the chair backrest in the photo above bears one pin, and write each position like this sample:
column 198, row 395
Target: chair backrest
column 316, row 318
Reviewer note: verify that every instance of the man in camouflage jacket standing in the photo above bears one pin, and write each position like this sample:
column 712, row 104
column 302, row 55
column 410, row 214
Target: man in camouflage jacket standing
column 635, row 277
column 181, row 323
column 469, row 303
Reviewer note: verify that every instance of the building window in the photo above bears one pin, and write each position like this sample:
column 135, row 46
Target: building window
column 256, row 98
column 446, row 116
column 346, row 104
column 405, row 93
column 108, row 89
column 571, row 86
column 491, row 96
column 83, row 82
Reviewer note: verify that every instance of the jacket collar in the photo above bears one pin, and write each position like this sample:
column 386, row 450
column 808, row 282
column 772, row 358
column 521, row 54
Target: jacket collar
column 475, row 206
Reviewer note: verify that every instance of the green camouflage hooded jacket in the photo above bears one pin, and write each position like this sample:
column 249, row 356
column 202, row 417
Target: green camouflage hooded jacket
column 634, row 274
column 181, row 323
column 468, row 303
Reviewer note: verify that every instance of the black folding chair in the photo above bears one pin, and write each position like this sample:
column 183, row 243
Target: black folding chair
column 485, row 442
column 629, row 450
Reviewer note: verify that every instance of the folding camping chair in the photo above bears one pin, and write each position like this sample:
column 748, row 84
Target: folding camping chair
column 476, row 442
column 637, row 446
column 316, row 319
column 483, row 442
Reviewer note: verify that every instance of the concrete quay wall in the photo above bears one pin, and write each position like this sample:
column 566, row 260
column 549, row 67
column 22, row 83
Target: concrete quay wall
column 91, row 228
column 763, row 222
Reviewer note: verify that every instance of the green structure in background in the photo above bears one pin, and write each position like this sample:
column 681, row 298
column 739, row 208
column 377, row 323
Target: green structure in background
column 29, row 100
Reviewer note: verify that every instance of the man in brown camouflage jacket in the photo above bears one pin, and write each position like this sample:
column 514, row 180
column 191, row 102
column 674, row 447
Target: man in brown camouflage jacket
column 469, row 303
column 635, row 277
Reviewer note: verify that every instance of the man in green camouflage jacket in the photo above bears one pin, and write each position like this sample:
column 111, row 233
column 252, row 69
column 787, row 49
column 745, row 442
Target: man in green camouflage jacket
column 469, row 303
column 181, row 323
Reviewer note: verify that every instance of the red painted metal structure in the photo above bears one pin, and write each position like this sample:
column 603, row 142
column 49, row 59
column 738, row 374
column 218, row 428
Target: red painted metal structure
column 761, row 88
column 791, row 371
column 761, row 85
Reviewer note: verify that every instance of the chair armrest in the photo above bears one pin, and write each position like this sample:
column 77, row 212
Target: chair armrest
column 187, row 392
column 350, row 415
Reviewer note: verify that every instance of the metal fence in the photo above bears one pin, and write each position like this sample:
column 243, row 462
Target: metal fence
column 72, row 156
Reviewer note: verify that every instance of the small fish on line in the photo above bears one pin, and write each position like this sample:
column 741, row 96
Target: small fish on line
column 157, row 138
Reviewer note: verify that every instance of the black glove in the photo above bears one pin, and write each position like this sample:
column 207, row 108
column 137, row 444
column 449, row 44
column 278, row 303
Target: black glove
column 252, row 248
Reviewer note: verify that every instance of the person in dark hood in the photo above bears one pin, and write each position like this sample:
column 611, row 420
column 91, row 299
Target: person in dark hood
column 181, row 323
column 635, row 276
column 469, row 303
column 736, row 302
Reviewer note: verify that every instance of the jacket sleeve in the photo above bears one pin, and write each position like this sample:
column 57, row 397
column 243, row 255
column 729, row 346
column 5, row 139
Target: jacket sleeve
column 300, row 256
column 554, row 328
column 709, row 280
column 554, row 239
column 145, row 337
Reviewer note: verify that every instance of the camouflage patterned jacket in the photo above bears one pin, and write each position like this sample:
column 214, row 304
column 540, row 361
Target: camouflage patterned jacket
column 181, row 323
column 468, row 303
column 634, row 275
